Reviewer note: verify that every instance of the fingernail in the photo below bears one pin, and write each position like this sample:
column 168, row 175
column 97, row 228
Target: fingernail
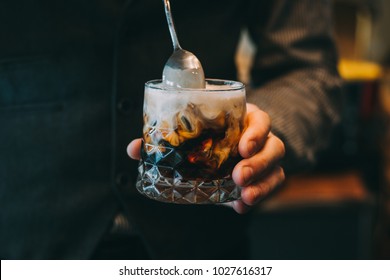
column 247, row 173
column 252, row 147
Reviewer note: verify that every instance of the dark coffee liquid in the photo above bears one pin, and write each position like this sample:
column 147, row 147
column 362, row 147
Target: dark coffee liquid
column 194, row 159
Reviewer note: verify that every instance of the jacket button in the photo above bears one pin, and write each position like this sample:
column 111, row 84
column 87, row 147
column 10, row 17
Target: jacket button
column 125, row 106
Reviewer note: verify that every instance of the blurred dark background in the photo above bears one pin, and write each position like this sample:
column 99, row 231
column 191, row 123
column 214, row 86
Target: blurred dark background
column 341, row 209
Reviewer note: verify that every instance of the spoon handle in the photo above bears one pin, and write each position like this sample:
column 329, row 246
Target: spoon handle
column 175, row 41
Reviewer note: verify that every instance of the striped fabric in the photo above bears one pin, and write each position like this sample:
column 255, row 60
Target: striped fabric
column 294, row 75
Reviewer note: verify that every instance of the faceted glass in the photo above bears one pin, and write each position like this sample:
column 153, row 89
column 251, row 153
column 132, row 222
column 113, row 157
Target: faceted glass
column 190, row 142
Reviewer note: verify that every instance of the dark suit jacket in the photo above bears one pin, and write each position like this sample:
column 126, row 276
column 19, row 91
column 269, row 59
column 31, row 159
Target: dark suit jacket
column 71, row 93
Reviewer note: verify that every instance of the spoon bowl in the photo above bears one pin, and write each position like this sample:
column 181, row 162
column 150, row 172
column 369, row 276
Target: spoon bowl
column 183, row 70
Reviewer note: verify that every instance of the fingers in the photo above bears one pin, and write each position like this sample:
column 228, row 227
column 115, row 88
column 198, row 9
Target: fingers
column 258, row 127
column 258, row 173
column 255, row 192
column 134, row 149
column 251, row 169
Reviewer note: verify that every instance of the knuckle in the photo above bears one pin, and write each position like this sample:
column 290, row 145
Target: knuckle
column 260, row 117
column 280, row 147
column 267, row 120
column 256, row 193
column 262, row 164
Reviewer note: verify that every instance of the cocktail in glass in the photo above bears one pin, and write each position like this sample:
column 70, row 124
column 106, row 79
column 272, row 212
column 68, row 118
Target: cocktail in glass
column 190, row 142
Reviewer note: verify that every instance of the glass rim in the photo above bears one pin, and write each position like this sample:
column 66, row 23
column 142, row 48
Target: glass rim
column 233, row 85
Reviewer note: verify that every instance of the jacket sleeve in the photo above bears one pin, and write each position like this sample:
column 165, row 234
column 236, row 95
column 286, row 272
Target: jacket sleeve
column 294, row 76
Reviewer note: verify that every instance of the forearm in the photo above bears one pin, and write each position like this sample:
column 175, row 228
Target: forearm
column 304, row 107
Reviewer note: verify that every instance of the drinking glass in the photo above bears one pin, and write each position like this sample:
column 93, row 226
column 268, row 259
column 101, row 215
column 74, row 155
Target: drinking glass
column 190, row 142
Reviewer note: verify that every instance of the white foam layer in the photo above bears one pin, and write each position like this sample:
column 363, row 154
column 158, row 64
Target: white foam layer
column 164, row 104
